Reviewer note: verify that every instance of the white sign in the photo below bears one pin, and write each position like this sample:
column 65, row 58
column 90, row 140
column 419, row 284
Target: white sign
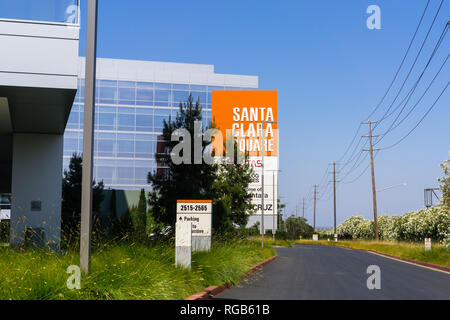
column 315, row 237
column 335, row 237
column 427, row 244
column 5, row 214
column 270, row 184
column 196, row 212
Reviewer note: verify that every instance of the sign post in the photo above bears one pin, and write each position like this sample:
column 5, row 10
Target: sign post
column 183, row 244
column 197, row 212
column 427, row 244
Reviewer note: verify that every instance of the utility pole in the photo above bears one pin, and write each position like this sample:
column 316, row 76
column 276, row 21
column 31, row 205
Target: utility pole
column 334, row 193
column 303, row 208
column 374, row 191
column 296, row 210
column 315, row 197
column 88, row 136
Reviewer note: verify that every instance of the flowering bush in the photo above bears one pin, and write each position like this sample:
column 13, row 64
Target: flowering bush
column 446, row 241
column 355, row 227
column 413, row 226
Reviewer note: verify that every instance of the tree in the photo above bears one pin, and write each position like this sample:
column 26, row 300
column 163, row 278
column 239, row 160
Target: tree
column 280, row 208
column 71, row 197
column 113, row 205
column 445, row 183
column 297, row 226
column 139, row 214
column 183, row 181
column 231, row 198
column 225, row 184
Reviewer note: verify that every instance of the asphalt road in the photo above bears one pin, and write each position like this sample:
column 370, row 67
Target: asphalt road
column 322, row 272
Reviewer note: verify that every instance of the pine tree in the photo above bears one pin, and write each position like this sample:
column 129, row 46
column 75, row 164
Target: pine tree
column 183, row 181
column 225, row 184
column 71, row 198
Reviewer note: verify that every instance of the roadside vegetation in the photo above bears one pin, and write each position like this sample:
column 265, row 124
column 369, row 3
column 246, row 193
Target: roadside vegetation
column 125, row 271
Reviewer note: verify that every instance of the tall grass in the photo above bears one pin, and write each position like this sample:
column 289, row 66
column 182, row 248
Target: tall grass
column 409, row 250
column 124, row 271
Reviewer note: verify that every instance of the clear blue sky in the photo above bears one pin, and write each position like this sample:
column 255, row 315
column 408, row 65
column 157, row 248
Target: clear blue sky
column 330, row 71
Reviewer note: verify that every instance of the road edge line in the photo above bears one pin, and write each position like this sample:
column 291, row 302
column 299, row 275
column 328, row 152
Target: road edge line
column 425, row 265
column 213, row 291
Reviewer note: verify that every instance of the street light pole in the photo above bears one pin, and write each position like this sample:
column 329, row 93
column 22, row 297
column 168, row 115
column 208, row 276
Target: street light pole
column 88, row 136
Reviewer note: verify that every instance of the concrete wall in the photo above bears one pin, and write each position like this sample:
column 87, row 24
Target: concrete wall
column 36, row 178
column 38, row 83
column 38, row 54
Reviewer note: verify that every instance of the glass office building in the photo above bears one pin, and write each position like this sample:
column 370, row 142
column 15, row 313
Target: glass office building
column 133, row 98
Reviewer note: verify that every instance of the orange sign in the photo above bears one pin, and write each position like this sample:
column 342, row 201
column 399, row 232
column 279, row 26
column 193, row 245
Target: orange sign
column 242, row 112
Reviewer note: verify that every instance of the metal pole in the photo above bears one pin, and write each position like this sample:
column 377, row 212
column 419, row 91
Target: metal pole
column 273, row 205
column 88, row 136
column 262, row 183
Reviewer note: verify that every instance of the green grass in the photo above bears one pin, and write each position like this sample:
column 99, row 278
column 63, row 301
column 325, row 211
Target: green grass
column 268, row 240
column 415, row 251
column 125, row 271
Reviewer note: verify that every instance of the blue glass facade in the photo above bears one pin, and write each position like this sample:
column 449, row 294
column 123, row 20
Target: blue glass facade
column 129, row 117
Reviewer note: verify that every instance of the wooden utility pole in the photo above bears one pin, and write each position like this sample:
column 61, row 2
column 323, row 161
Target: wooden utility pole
column 334, row 193
column 374, row 191
column 315, row 196
column 303, row 208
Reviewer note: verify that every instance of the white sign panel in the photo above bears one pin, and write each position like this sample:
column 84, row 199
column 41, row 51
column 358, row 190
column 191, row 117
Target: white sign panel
column 270, row 184
column 5, row 214
column 315, row 237
column 196, row 212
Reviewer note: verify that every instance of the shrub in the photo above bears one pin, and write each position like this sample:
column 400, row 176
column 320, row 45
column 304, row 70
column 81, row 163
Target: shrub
column 4, row 231
column 446, row 241
column 413, row 226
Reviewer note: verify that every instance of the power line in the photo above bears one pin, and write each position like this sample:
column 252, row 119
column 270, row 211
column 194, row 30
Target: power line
column 390, row 85
column 392, row 127
column 409, row 95
column 403, row 61
column 412, row 66
column 420, row 121
column 418, row 101
column 364, row 171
